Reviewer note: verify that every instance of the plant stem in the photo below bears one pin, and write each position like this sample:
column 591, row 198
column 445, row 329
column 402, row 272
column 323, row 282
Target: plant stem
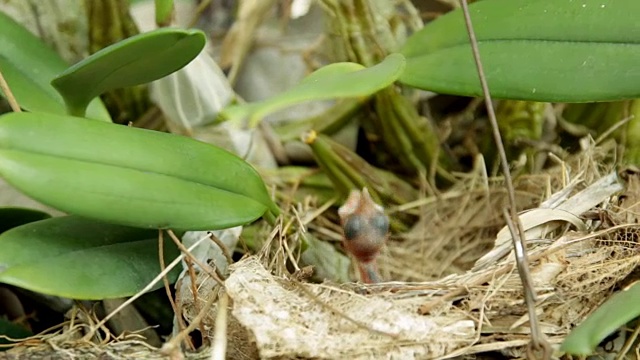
column 9, row 94
column 517, row 232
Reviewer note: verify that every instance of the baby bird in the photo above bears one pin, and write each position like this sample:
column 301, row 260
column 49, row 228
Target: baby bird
column 365, row 229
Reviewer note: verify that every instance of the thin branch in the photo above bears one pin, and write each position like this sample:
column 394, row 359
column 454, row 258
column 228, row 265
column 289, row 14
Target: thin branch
column 225, row 251
column 537, row 341
column 172, row 345
column 9, row 94
column 187, row 253
column 167, row 288
column 147, row 288
column 219, row 347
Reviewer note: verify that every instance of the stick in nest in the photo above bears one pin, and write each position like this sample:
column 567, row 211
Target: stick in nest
column 537, row 341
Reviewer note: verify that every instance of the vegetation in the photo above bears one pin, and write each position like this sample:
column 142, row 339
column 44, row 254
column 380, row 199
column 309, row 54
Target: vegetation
column 124, row 187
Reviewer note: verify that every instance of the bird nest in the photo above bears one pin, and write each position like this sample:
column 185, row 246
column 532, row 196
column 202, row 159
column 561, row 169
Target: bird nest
column 455, row 289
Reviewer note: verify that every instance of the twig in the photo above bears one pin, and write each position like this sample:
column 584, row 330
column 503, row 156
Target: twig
column 629, row 343
column 537, row 342
column 194, row 289
column 527, row 287
column 187, row 253
column 167, row 288
column 149, row 286
column 219, row 348
column 223, row 248
column 172, row 344
column 9, row 94
column 613, row 128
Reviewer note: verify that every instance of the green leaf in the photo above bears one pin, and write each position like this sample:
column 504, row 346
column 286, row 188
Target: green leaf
column 129, row 176
column 14, row 331
column 11, row 217
column 568, row 51
column 82, row 259
column 614, row 313
column 338, row 80
column 327, row 261
column 164, row 11
column 29, row 65
column 137, row 60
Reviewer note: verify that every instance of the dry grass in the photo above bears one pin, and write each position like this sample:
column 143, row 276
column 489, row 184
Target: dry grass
column 455, row 292
column 455, row 289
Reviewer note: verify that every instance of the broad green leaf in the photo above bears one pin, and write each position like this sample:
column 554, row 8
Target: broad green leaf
column 614, row 313
column 82, row 259
column 567, row 51
column 137, row 60
column 29, row 65
column 11, row 217
column 338, row 80
column 129, row 176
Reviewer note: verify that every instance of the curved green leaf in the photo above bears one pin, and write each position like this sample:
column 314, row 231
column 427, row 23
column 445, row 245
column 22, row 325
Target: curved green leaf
column 82, row 259
column 29, row 65
column 11, row 217
column 137, row 60
column 568, row 51
column 129, row 176
column 338, row 80
column 125, row 196
column 614, row 313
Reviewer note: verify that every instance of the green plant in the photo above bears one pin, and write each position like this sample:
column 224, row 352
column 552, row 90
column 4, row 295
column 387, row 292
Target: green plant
column 120, row 183
column 559, row 62
column 29, row 65
column 79, row 258
column 133, row 61
column 336, row 80
column 541, row 51
column 531, row 50
column 164, row 12
column 614, row 313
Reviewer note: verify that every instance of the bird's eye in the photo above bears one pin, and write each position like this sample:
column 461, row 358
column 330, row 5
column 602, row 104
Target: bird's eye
column 353, row 226
column 380, row 222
